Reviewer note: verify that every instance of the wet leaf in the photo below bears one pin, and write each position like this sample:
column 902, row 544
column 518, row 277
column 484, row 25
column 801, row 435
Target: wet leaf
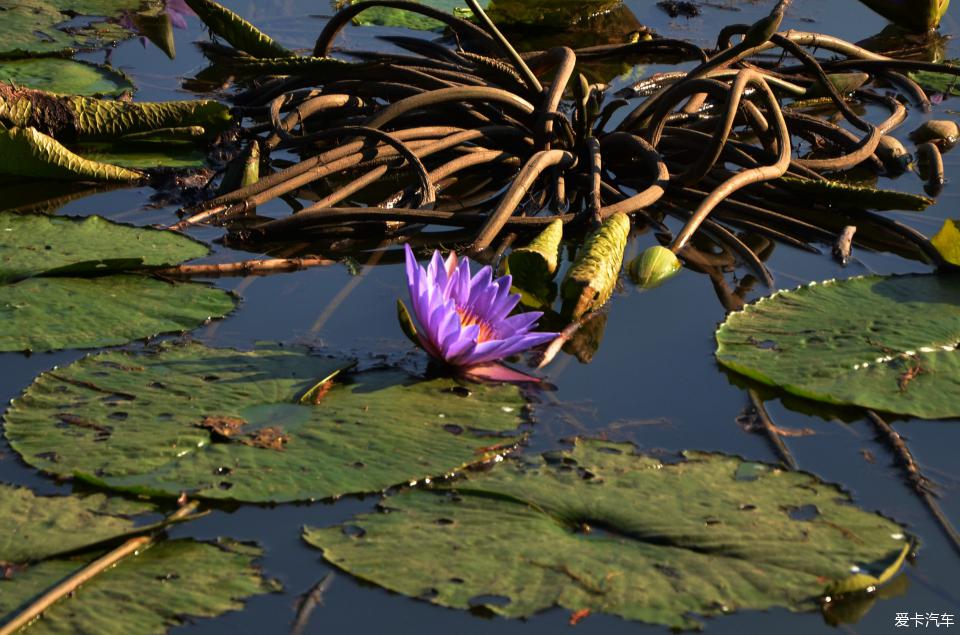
column 163, row 587
column 590, row 281
column 917, row 15
column 65, row 76
column 144, row 154
column 385, row 16
column 381, row 429
column 242, row 35
column 39, row 527
column 41, row 257
column 38, row 26
column 886, row 343
column 947, row 241
column 44, row 539
column 861, row 197
column 76, row 118
column 946, row 83
column 243, row 170
column 32, row 245
column 601, row 528
column 29, row 153
column 533, row 267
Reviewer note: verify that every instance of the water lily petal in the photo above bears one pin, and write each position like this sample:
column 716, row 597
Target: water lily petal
column 499, row 372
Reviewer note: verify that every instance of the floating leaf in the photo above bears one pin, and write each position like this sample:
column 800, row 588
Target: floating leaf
column 70, row 118
column 947, row 241
column 946, row 83
column 162, row 587
column 886, row 343
column 66, row 76
column 592, row 277
column 144, row 154
column 157, row 588
column 39, row 26
column 238, row 32
column 386, row 16
column 103, row 311
column 601, row 528
column 39, row 527
column 143, row 426
column 654, row 266
column 839, row 193
column 27, row 152
column 34, row 244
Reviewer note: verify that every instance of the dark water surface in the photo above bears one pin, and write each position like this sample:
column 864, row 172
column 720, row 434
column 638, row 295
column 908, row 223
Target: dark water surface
column 653, row 381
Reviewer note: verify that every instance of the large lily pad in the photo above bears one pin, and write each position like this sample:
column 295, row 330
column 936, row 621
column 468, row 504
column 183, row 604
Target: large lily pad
column 65, row 76
column 30, row 27
column 603, row 529
column 220, row 423
column 157, row 589
column 46, row 264
column 884, row 343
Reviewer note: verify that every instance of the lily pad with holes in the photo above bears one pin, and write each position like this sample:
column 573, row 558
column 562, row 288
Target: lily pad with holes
column 56, row 291
column 221, row 423
column 601, row 528
column 886, row 343
column 65, row 76
column 31, row 27
column 40, row 527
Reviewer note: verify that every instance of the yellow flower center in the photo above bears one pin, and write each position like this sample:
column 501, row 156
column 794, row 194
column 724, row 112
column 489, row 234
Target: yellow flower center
column 468, row 318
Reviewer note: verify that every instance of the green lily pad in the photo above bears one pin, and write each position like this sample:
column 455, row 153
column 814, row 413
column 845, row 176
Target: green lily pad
column 167, row 585
column 65, row 76
column 604, row 529
column 145, row 154
column 31, row 27
column 930, row 81
column 157, row 589
column 886, row 343
column 385, row 16
column 46, row 269
column 228, row 424
column 39, row 527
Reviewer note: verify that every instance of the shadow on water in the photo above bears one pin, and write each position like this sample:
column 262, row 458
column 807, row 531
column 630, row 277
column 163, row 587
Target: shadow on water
column 645, row 373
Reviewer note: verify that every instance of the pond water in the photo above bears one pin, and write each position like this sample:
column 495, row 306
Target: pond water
column 653, row 380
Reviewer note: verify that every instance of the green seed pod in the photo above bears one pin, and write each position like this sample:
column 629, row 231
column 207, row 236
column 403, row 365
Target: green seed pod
column 27, row 152
column 654, row 266
column 590, row 281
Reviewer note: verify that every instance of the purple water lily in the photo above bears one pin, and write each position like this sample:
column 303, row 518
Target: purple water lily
column 178, row 10
column 464, row 321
